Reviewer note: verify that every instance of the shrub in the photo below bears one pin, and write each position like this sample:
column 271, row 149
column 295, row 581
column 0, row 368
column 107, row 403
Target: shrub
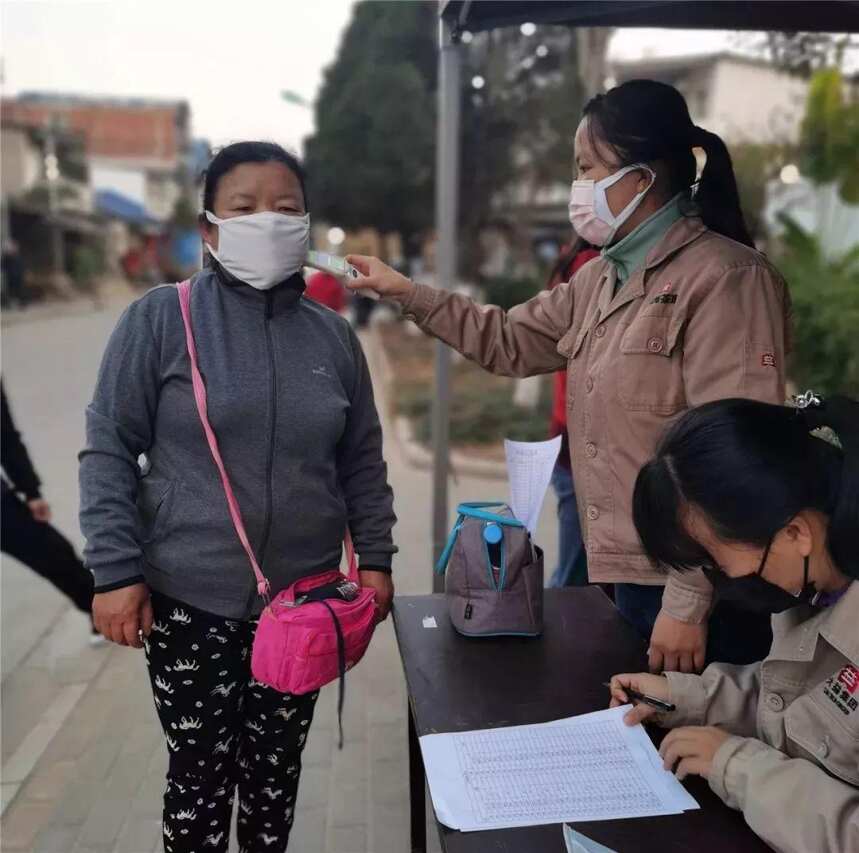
column 825, row 297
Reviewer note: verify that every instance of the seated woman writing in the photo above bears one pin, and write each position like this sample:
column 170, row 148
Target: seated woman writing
column 771, row 504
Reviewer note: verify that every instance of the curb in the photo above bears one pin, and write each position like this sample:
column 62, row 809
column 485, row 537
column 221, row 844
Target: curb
column 414, row 453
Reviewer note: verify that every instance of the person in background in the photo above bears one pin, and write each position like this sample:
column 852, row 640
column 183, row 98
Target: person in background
column 679, row 309
column 291, row 401
column 327, row 290
column 572, row 569
column 779, row 529
column 14, row 290
column 27, row 533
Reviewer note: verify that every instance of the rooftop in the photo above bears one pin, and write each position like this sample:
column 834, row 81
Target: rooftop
column 59, row 99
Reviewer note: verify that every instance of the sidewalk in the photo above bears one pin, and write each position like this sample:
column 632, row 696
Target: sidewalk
column 83, row 756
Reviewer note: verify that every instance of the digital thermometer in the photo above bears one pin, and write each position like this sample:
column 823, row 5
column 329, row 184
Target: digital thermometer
column 337, row 266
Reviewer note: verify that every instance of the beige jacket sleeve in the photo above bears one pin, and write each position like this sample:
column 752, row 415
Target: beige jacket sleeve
column 723, row 695
column 767, row 785
column 688, row 596
column 734, row 345
column 520, row 342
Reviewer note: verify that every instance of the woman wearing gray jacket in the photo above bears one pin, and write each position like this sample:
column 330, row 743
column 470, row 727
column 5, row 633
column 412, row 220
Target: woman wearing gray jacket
column 291, row 402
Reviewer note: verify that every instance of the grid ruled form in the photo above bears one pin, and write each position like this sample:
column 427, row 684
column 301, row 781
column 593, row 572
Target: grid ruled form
column 591, row 767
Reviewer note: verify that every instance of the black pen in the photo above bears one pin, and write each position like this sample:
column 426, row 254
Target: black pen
column 634, row 695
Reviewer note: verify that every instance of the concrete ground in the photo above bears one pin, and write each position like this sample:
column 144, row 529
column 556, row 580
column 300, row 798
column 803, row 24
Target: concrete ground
column 83, row 757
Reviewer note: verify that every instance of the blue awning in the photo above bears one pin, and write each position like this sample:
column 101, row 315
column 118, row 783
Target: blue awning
column 118, row 206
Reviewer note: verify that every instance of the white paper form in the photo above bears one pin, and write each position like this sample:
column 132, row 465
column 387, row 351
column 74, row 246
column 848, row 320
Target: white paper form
column 529, row 468
column 591, row 767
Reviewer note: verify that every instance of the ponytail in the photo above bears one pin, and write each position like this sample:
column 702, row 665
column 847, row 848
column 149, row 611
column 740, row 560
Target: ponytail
column 716, row 195
column 840, row 415
column 643, row 121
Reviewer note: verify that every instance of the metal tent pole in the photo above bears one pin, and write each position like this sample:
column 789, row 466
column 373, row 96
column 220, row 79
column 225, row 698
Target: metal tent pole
column 447, row 188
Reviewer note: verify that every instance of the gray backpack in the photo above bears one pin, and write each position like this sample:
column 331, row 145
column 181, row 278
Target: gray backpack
column 493, row 574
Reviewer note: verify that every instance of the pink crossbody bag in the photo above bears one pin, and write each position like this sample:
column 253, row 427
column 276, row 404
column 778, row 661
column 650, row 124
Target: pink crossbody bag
column 310, row 633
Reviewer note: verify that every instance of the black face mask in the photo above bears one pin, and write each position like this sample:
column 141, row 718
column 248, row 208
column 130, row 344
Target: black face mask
column 752, row 592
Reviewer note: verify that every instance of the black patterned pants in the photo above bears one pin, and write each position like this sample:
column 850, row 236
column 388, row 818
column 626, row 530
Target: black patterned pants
column 225, row 732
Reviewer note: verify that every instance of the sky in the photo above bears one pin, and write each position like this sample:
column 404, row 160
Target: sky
column 230, row 60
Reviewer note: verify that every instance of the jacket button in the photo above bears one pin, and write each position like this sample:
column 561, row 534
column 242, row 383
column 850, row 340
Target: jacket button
column 822, row 749
column 600, row 332
column 775, row 702
column 591, row 449
column 410, row 317
column 593, row 513
column 655, row 345
column 589, row 385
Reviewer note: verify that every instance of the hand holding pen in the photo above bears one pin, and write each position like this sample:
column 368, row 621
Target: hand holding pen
column 649, row 693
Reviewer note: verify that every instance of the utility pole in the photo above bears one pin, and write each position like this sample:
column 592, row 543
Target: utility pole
column 52, row 176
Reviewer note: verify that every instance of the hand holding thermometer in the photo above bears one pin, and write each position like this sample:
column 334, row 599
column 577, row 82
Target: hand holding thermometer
column 338, row 267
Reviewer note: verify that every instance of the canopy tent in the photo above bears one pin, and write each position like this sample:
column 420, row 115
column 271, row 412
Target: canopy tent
column 815, row 16
column 457, row 16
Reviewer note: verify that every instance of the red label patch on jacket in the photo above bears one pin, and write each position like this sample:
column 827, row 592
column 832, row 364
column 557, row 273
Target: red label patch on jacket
column 849, row 677
column 839, row 689
column 768, row 359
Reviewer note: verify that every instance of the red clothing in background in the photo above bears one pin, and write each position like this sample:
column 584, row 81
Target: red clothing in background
column 324, row 288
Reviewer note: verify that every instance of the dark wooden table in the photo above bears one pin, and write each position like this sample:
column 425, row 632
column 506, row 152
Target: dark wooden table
column 457, row 684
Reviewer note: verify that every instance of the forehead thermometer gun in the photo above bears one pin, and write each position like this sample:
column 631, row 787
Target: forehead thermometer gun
column 338, row 267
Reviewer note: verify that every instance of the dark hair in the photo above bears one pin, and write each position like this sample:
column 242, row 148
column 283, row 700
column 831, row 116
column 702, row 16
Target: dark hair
column 234, row 155
column 750, row 467
column 643, row 121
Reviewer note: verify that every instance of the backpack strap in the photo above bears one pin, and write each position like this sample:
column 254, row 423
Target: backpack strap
column 263, row 585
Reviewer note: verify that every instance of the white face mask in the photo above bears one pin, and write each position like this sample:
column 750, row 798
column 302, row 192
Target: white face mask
column 262, row 249
column 590, row 214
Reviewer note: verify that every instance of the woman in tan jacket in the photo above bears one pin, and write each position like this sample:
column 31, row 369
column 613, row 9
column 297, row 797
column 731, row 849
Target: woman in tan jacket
column 679, row 309
column 778, row 740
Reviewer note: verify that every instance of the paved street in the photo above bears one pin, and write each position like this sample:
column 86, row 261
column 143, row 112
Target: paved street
column 83, row 757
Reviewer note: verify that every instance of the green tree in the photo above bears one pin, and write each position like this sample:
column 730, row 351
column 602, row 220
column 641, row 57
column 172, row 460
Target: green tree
column 517, row 128
column 800, row 53
column 371, row 161
column 825, row 289
column 829, row 138
column 825, row 296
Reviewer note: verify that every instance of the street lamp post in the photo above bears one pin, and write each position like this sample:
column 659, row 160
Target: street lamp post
column 294, row 98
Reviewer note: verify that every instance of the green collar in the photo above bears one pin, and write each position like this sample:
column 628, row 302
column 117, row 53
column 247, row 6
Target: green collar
column 628, row 255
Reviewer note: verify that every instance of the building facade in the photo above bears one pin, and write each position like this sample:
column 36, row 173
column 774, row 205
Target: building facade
column 134, row 146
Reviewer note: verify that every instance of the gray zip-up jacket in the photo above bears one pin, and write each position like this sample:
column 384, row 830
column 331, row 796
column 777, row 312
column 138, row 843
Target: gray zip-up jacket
column 291, row 402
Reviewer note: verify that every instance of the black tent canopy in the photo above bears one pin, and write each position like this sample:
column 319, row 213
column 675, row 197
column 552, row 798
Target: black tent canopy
column 814, row 16
column 458, row 16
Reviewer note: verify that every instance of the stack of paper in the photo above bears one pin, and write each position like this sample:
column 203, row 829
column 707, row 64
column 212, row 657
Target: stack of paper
column 529, row 468
column 591, row 767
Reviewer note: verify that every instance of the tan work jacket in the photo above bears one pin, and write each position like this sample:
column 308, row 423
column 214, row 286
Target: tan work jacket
column 792, row 763
column 706, row 318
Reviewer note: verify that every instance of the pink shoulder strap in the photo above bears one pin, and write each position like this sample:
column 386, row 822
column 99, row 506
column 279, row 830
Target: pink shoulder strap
column 263, row 586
